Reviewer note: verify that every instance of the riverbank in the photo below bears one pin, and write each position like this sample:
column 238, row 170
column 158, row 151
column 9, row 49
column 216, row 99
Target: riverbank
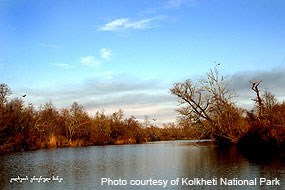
column 251, row 148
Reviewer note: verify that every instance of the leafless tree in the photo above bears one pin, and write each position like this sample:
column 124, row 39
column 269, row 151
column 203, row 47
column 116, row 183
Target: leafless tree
column 75, row 118
column 5, row 91
column 258, row 99
column 209, row 102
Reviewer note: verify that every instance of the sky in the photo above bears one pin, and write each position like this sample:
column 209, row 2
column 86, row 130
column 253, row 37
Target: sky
column 127, row 54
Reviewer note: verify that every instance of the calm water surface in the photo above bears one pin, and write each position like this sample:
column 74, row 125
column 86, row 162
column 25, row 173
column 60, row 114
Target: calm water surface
column 84, row 167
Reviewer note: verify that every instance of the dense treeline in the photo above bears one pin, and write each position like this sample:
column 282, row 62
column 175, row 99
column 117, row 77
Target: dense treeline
column 22, row 127
column 208, row 105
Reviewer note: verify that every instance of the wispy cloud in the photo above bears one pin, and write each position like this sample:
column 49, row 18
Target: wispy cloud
column 53, row 46
column 114, row 25
column 141, row 24
column 127, row 24
column 134, row 23
column 105, row 53
column 61, row 65
column 90, row 61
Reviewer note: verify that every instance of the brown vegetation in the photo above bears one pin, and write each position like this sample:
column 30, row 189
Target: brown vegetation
column 207, row 105
column 25, row 128
column 267, row 126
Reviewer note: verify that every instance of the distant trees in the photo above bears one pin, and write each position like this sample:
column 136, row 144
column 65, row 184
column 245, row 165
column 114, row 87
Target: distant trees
column 24, row 127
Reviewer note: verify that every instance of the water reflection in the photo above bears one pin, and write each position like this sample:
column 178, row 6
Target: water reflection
column 84, row 167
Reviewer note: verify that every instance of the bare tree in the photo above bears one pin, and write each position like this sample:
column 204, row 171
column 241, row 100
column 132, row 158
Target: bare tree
column 146, row 122
column 209, row 103
column 269, row 100
column 75, row 118
column 5, row 91
column 258, row 99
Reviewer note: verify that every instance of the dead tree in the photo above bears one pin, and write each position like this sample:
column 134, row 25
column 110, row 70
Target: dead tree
column 258, row 99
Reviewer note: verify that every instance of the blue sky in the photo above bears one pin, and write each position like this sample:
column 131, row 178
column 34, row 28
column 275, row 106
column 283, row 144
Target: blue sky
column 127, row 54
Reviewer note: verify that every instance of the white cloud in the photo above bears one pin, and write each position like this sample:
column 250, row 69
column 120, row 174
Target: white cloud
column 142, row 24
column 105, row 53
column 61, row 65
column 114, row 25
column 90, row 61
column 126, row 23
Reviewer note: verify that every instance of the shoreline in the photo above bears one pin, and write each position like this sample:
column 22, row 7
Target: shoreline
column 248, row 151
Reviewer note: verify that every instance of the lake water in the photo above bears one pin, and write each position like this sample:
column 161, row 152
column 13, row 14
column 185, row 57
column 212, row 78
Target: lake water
column 140, row 166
